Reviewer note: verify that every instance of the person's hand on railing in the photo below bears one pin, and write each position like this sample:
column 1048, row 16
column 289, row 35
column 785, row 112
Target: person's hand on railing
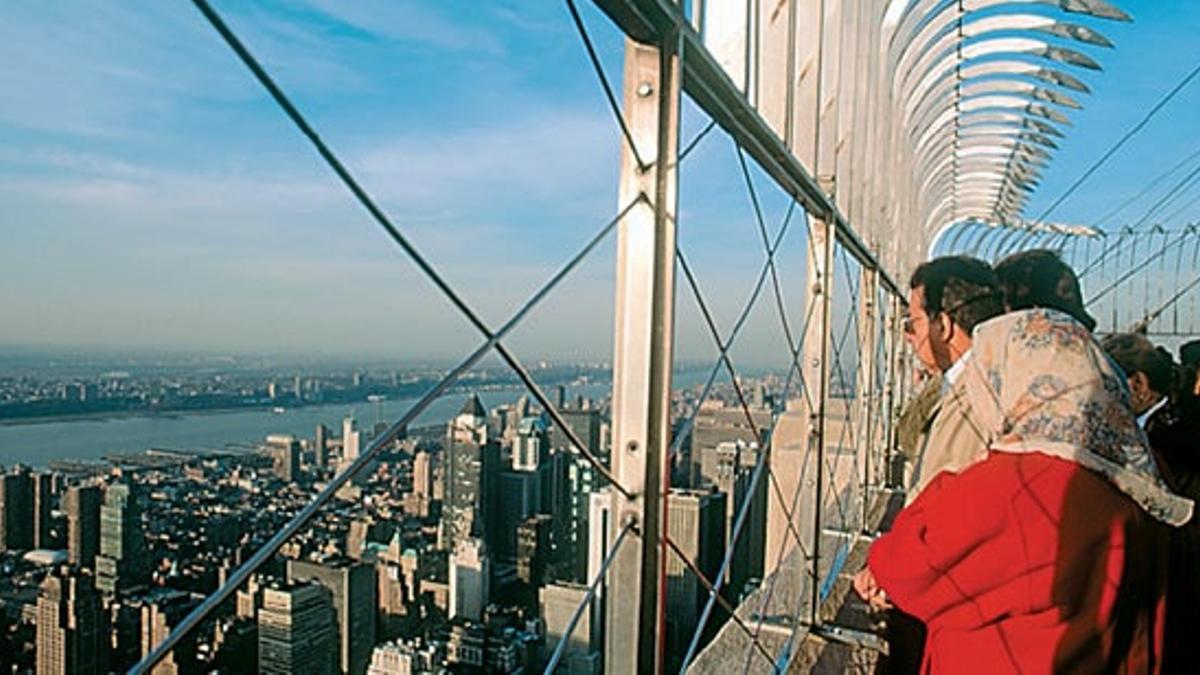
column 870, row 591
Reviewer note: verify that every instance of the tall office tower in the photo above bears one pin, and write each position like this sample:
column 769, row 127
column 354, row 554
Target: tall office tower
column 518, row 496
column 320, row 447
column 586, row 425
column 557, row 603
column 82, row 504
column 350, row 440
column 472, row 466
column 535, row 548
column 285, row 456
column 696, row 523
column 532, row 445
column 573, row 480
column 391, row 591
column 160, row 615
column 249, row 599
column 295, row 631
column 43, row 493
column 470, row 579
column 422, row 475
column 16, row 511
column 729, row 468
column 351, row 589
column 71, row 631
column 519, row 411
column 123, row 563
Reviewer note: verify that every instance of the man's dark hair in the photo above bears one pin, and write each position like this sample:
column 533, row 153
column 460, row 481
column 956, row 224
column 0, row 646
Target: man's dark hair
column 1039, row 278
column 963, row 287
column 1136, row 354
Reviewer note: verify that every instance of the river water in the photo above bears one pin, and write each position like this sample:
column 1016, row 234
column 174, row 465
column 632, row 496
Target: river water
column 35, row 444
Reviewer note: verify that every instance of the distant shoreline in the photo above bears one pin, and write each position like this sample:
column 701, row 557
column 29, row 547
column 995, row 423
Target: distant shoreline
column 126, row 414
column 225, row 410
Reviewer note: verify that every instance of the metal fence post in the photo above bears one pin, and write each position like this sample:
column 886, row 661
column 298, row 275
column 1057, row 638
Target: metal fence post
column 642, row 356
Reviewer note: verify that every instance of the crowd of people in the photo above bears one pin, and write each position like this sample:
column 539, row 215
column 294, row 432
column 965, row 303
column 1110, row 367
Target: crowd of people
column 1051, row 476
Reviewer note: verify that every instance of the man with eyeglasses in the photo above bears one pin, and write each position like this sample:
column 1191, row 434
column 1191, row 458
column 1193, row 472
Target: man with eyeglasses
column 948, row 297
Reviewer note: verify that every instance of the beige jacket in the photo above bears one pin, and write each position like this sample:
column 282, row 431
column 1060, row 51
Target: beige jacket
column 954, row 440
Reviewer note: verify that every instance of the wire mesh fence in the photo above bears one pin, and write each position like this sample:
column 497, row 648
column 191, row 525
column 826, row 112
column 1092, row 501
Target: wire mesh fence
column 776, row 453
column 1133, row 278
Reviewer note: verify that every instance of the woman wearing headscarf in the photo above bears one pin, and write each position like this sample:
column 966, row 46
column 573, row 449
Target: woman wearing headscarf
column 1048, row 554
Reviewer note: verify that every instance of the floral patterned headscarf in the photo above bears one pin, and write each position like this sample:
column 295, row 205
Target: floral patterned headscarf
column 1037, row 381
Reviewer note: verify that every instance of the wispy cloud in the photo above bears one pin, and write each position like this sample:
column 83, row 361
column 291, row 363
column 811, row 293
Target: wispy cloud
column 408, row 21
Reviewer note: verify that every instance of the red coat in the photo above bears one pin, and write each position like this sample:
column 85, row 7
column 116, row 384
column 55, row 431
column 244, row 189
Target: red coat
column 1028, row 563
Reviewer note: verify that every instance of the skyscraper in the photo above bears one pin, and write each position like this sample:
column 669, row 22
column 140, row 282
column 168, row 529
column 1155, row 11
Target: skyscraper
column 586, row 425
column 350, row 440
column 295, row 631
column 123, row 563
column 422, row 475
column 71, row 630
column 160, row 615
column 82, row 504
column 472, row 465
column 696, row 521
column 285, row 456
column 351, row 589
column 470, row 579
column 43, row 495
column 574, row 479
column 517, row 497
column 320, row 447
column 535, row 548
column 730, row 469
column 16, row 511
column 532, row 445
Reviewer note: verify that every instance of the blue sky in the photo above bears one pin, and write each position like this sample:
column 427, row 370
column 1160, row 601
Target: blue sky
column 153, row 196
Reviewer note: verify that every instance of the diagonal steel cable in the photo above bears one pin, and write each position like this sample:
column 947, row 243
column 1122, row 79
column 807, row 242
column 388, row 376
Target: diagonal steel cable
column 713, row 593
column 807, row 571
column 724, row 346
column 687, row 149
column 604, row 83
column 242, row 574
column 739, row 522
column 561, row 648
column 1098, row 261
column 762, row 228
column 788, row 653
column 1120, row 142
column 724, row 357
column 1146, row 190
column 492, row 342
column 1137, row 268
column 383, row 221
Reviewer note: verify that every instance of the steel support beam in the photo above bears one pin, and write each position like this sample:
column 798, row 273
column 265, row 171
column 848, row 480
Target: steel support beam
column 642, row 357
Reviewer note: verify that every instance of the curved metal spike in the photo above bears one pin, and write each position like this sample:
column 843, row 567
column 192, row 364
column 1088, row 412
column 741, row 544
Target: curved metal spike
column 1070, row 56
